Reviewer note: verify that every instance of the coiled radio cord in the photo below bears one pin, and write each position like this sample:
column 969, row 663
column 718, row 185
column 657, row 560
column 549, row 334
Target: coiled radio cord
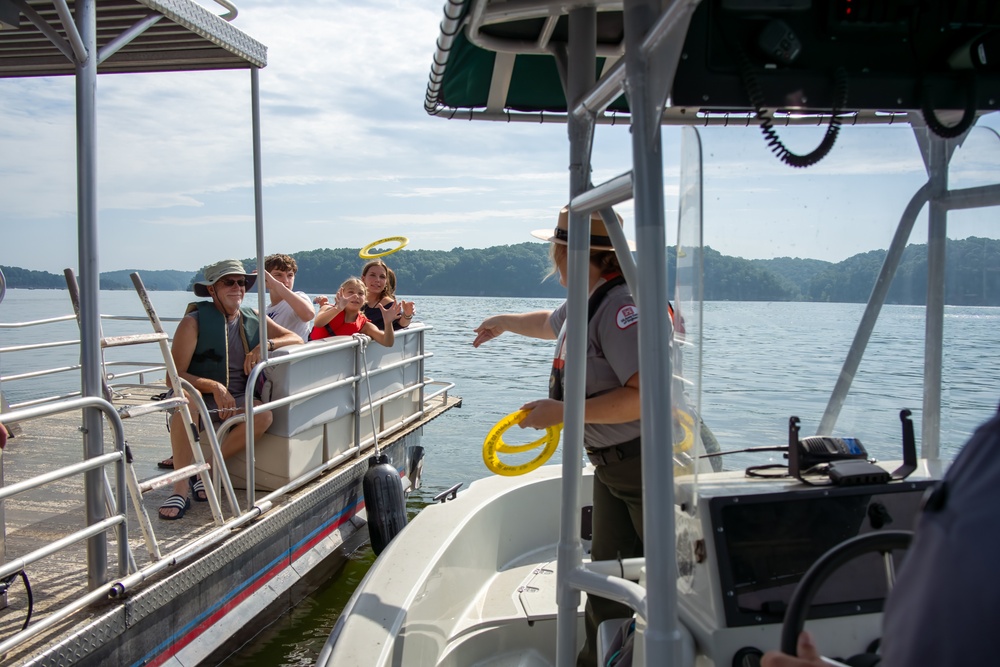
column 756, row 96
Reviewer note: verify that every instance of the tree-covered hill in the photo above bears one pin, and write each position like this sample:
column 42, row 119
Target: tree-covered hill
column 972, row 277
column 737, row 279
column 795, row 273
column 28, row 279
column 511, row 270
column 157, row 281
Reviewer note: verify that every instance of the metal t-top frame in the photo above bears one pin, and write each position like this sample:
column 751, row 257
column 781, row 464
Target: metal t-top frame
column 653, row 38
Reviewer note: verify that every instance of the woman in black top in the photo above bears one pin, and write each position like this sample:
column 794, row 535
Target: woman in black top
column 380, row 282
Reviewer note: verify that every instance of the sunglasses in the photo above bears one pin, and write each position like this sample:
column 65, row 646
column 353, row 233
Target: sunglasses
column 229, row 282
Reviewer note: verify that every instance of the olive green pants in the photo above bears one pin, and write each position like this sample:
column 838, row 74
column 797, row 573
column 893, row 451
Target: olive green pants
column 617, row 526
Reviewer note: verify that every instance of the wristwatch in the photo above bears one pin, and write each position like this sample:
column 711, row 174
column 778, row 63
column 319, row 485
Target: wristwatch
column 270, row 346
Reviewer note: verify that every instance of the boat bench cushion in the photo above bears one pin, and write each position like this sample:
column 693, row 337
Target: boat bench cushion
column 278, row 460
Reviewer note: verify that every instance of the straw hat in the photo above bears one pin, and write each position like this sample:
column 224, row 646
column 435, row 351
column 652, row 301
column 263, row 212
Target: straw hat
column 599, row 239
column 227, row 267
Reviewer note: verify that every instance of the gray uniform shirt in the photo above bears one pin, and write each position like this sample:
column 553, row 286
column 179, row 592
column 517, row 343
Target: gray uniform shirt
column 945, row 607
column 612, row 358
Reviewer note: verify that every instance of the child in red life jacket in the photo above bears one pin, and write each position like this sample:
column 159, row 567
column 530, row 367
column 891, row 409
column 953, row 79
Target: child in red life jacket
column 344, row 318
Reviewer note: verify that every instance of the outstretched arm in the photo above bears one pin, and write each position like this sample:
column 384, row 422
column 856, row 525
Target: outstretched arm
column 533, row 325
column 387, row 337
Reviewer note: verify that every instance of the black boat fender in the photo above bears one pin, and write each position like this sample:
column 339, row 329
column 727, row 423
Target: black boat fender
column 384, row 502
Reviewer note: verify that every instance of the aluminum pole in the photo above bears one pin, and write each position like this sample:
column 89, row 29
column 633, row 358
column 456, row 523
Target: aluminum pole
column 581, row 55
column 939, row 153
column 90, row 284
column 258, row 200
column 662, row 643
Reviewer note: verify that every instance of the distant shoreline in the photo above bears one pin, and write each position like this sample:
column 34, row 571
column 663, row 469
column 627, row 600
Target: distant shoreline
column 519, row 271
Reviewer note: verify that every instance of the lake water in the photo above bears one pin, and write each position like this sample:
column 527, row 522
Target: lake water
column 763, row 362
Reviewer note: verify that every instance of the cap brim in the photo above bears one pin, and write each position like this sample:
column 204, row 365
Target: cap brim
column 546, row 235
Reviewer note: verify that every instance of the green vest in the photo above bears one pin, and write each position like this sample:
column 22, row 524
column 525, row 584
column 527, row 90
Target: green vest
column 211, row 353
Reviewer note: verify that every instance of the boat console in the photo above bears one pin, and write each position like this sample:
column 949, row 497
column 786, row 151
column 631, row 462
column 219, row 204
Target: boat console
column 744, row 544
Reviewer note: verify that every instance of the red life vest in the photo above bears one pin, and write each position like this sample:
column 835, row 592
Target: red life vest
column 338, row 327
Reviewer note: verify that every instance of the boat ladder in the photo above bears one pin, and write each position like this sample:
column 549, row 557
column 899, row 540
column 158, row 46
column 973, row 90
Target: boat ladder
column 137, row 488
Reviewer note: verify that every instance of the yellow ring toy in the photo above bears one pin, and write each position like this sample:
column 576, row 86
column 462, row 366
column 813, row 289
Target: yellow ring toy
column 494, row 443
column 683, row 463
column 401, row 240
column 686, row 422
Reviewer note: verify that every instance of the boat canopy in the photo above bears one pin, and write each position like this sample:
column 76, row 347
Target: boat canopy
column 40, row 38
column 503, row 59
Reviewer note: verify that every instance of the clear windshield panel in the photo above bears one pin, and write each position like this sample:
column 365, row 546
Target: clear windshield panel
column 689, row 446
column 789, row 261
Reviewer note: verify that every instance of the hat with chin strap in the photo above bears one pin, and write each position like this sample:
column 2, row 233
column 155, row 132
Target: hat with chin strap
column 227, row 267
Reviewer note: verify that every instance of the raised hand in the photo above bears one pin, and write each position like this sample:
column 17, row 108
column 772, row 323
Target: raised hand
column 340, row 300
column 392, row 312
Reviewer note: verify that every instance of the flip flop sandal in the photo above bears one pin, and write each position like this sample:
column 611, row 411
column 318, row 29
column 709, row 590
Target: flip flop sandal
column 166, row 464
column 198, row 489
column 175, row 502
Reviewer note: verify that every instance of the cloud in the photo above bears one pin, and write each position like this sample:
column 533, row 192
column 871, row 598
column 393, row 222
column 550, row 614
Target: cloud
column 204, row 221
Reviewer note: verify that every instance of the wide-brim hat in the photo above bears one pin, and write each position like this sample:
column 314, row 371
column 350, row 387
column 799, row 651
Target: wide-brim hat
column 227, row 267
column 599, row 239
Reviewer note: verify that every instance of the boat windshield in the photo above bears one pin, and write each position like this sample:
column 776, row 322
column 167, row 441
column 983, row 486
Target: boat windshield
column 689, row 437
column 778, row 306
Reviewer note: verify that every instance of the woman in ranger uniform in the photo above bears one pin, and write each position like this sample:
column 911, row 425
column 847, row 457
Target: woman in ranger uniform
column 611, row 411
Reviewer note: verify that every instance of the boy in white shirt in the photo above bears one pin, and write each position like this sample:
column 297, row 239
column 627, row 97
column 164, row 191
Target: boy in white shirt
column 292, row 310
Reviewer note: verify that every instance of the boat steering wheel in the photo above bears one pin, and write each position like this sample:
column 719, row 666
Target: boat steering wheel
column 884, row 541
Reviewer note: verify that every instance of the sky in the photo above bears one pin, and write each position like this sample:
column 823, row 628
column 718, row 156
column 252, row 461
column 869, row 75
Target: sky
column 350, row 157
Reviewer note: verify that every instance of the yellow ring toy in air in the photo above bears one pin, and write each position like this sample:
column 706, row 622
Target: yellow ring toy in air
column 401, row 240
column 494, row 443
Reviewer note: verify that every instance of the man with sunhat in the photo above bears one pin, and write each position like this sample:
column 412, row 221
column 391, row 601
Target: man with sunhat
column 216, row 345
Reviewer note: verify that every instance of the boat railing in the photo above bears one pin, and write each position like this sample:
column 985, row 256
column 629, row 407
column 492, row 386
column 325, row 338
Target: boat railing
column 419, row 391
column 140, row 369
column 94, row 531
column 364, row 405
column 362, row 408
